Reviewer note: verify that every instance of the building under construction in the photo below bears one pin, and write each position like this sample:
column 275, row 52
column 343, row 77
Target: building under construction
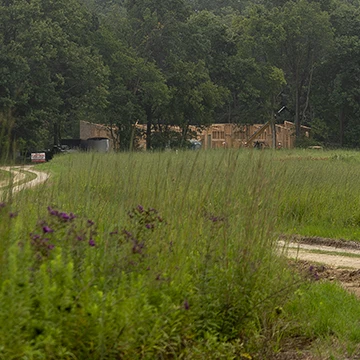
column 257, row 135
column 216, row 135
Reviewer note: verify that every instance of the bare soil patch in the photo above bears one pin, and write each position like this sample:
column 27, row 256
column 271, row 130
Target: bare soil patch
column 321, row 259
column 324, row 258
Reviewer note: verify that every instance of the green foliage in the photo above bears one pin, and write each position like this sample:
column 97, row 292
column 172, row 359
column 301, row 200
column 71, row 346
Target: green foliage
column 50, row 73
column 85, row 271
column 325, row 310
column 97, row 276
column 176, row 62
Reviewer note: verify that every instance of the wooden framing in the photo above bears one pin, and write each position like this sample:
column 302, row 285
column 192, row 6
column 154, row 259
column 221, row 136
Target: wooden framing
column 236, row 136
column 216, row 135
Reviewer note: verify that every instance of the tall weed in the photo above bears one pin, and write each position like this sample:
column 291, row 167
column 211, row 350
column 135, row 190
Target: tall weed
column 144, row 256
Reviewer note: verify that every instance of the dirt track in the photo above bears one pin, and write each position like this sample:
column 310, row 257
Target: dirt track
column 18, row 176
column 331, row 259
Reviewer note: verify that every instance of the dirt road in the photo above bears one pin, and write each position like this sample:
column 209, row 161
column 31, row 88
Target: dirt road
column 331, row 259
column 338, row 256
column 18, row 176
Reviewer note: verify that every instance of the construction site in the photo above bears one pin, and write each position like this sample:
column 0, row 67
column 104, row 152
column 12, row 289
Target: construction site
column 215, row 136
column 257, row 135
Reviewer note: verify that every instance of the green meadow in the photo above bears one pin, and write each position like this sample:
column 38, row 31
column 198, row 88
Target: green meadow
column 173, row 256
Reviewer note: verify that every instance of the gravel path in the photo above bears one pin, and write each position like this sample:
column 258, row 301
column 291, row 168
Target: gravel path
column 18, row 176
column 335, row 256
column 332, row 259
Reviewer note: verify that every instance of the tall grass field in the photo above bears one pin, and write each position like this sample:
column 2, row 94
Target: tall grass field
column 173, row 256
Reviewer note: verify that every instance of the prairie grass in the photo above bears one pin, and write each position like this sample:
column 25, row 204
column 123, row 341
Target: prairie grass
column 4, row 176
column 161, row 255
column 328, row 312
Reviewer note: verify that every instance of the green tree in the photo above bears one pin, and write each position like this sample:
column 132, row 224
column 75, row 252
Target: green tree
column 307, row 42
column 336, row 91
column 254, row 78
column 50, row 72
column 194, row 97
column 137, row 91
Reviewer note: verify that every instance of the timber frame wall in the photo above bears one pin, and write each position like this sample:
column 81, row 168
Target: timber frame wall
column 235, row 136
column 213, row 137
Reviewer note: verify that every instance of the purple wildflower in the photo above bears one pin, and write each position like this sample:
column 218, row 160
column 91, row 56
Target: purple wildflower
column 216, row 219
column 149, row 226
column 52, row 211
column 127, row 233
column 137, row 248
column 90, row 222
column 46, row 229
column 186, row 305
column 2, row 204
column 51, row 246
column 140, row 208
column 13, row 215
column 64, row 216
column 91, row 242
column 80, row 238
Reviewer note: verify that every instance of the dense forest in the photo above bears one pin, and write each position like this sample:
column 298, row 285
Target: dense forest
column 177, row 62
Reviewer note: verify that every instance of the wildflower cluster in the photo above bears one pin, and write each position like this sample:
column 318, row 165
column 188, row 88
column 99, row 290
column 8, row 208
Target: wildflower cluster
column 60, row 228
column 62, row 216
column 143, row 222
column 145, row 218
column 313, row 272
column 214, row 219
column 41, row 243
column 4, row 207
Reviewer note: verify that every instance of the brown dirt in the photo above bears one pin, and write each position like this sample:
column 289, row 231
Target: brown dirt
column 323, row 259
column 341, row 262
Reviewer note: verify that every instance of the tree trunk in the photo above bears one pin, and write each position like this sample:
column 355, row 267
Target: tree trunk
column 308, row 94
column 56, row 134
column 297, row 112
column 149, row 121
column 342, row 125
column 273, row 131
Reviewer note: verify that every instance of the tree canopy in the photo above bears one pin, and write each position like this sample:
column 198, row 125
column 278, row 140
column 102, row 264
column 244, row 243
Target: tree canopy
column 177, row 62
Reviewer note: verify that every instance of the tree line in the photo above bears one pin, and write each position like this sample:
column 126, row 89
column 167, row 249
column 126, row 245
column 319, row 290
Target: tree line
column 177, row 62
